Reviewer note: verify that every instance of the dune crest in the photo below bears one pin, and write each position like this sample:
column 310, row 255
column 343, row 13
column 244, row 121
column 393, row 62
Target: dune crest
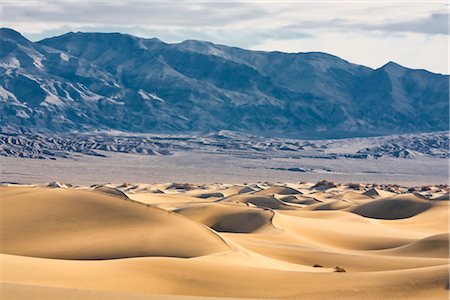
column 396, row 207
column 229, row 218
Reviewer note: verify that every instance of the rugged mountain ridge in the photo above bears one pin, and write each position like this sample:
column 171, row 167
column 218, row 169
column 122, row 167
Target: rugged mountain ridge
column 87, row 81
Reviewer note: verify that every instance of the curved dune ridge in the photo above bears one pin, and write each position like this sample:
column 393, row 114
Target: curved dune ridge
column 281, row 190
column 221, row 192
column 229, row 218
column 184, row 241
column 334, row 205
column 396, row 207
column 432, row 246
column 300, row 199
column 262, row 201
column 374, row 193
column 352, row 197
column 111, row 191
column 76, row 224
column 445, row 197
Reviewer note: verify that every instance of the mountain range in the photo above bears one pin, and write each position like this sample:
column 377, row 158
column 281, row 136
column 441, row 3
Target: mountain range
column 112, row 81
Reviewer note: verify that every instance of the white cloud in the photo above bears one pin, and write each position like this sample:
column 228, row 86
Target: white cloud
column 413, row 50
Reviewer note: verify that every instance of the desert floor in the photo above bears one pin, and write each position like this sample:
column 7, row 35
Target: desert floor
column 188, row 241
column 213, row 167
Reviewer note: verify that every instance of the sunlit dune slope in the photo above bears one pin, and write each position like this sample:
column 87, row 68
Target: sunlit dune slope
column 77, row 224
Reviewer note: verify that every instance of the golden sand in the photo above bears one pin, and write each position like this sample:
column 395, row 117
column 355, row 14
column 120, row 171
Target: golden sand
column 185, row 241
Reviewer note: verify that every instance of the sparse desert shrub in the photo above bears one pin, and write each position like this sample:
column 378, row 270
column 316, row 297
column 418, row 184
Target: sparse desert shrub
column 339, row 269
column 317, row 266
column 354, row 186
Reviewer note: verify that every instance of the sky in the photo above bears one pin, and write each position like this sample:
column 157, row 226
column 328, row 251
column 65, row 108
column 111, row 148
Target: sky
column 412, row 33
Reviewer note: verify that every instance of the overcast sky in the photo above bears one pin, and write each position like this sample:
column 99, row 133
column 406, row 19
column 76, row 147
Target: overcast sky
column 411, row 33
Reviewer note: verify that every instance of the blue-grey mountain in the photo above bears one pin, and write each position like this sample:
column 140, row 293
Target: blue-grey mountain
column 88, row 81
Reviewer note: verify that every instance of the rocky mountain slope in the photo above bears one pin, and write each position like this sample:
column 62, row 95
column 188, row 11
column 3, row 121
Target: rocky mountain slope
column 87, row 81
column 45, row 146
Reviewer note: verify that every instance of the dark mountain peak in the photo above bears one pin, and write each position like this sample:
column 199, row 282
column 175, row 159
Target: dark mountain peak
column 81, row 35
column 393, row 66
column 155, row 40
column 77, row 42
column 4, row 31
column 203, row 47
column 11, row 34
column 195, row 42
column 100, row 35
column 319, row 55
column 393, row 70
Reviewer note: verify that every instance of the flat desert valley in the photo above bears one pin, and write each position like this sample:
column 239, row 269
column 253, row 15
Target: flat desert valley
column 319, row 240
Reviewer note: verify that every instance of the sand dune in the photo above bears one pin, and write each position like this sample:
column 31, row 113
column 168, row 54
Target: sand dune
column 229, row 218
column 185, row 241
column 262, row 201
column 75, row 224
column 445, row 197
column 396, row 207
column 221, row 192
column 300, row 199
column 111, row 191
column 375, row 193
column 281, row 190
column 432, row 246
column 335, row 205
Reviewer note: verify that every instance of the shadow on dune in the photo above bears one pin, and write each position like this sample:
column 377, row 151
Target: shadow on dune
column 229, row 217
column 392, row 208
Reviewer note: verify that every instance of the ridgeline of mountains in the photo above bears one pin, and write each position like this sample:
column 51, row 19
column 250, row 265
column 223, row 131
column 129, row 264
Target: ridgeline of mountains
column 112, row 81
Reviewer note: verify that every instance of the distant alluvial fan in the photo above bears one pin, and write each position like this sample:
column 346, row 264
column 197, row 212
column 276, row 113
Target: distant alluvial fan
column 87, row 81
